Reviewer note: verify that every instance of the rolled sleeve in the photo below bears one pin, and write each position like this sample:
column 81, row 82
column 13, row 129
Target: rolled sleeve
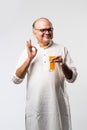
column 74, row 76
column 21, row 60
column 16, row 79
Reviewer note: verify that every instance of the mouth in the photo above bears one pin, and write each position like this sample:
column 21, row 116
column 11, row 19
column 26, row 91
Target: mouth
column 47, row 36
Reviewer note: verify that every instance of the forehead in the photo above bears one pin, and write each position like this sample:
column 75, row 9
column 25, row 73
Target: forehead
column 43, row 23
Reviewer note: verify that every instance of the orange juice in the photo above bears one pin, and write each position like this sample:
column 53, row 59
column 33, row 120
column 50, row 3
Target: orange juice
column 51, row 64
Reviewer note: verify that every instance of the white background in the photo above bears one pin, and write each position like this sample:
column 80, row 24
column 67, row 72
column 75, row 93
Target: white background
column 69, row 19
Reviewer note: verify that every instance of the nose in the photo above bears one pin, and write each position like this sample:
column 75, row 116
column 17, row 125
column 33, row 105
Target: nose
column 47, row 31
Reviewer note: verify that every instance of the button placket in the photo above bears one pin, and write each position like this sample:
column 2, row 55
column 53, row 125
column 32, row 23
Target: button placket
column 45, row 60
column 44, row 57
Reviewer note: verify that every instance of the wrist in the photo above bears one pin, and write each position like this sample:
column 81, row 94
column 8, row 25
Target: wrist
column 28, row 60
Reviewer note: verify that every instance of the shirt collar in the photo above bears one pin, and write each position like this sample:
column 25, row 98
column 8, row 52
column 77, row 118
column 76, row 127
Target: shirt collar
column 51, row 42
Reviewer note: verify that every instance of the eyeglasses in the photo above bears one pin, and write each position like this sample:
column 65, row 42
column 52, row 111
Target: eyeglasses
column 45, row 30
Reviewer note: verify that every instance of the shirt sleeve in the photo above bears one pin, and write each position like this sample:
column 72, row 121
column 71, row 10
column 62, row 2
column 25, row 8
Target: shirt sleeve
column 21, row 60
column 69, row 62
column 16, row 79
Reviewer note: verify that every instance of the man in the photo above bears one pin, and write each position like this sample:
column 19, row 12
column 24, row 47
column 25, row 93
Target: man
column 47, row 105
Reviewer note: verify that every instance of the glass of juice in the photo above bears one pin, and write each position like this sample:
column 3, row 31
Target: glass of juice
column 51, row 64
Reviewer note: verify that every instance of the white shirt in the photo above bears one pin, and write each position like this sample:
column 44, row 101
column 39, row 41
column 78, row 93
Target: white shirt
column 47, row 104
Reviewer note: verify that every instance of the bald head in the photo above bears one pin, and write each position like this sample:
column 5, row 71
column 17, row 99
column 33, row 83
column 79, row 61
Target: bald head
column 41, row 20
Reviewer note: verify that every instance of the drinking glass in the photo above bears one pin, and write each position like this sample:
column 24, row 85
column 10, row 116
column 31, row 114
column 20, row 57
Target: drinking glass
column 51, row 64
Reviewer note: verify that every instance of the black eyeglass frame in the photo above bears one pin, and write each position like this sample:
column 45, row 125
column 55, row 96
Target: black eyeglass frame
column 44, row 29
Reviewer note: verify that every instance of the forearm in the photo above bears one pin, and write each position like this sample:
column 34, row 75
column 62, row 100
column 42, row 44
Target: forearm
column 67, row 71
column 21, row 71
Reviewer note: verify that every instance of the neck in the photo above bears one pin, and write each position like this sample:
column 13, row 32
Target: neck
column 44, row 45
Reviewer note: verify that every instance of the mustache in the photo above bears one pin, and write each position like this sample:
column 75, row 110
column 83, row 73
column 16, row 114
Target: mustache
column 48, row 35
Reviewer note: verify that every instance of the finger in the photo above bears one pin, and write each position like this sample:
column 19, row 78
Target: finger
column 29, row 46
column 28, row 43
column 56, row 58
column 34, row 48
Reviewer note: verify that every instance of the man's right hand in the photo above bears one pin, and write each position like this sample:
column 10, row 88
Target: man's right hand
column 31, row 50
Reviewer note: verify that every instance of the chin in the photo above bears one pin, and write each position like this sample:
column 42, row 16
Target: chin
column 47, row 40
